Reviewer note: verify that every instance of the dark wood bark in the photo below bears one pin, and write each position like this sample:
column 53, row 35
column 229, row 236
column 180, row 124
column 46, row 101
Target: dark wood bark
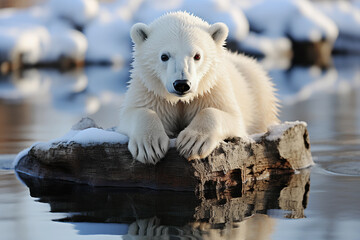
column 232, row 163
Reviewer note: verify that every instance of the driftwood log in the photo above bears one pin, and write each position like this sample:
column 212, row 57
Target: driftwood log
column 284, row 149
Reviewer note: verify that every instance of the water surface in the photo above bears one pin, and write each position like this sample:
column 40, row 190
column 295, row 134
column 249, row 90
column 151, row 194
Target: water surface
column 38, row 105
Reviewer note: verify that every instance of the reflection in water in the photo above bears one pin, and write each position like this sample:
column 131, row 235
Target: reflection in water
column 300, row 83
column 76, row 91
column 230, row 215
column 11, row 207
column 39, row 105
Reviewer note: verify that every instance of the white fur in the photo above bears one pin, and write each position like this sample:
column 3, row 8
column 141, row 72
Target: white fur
column 230, row 94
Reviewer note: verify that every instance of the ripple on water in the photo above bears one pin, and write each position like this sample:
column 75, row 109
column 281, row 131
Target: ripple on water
column 348, row 168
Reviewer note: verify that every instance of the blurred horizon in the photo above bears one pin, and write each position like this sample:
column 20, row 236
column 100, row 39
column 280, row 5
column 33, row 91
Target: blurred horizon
column 63, row 60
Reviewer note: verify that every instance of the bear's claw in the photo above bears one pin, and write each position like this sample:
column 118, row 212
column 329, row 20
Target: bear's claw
column 149, row 149
column 194, row 145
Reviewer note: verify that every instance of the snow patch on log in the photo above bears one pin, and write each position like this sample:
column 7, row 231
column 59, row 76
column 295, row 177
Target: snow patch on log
column 87, row 133
column 278, row 130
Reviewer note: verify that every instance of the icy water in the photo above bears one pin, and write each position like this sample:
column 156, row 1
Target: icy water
column 320, row 203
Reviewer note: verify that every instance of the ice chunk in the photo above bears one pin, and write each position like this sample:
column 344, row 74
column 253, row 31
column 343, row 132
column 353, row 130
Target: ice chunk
column 108, row 39
column 311, row 24
column 80, row 12
column 211, row 11
column 262, row 45
column 298, row 19
column 64, row 42
column 29, row 42
column 344, row 14
column 34, row 35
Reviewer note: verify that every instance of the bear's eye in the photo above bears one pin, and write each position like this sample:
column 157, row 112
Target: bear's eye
column 164, row 57
column 197, row 57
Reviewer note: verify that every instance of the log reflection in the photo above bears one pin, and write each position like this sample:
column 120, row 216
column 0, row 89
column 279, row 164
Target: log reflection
column 234, row 214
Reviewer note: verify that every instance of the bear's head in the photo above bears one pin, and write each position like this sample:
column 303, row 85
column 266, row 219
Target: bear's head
column 176, row 55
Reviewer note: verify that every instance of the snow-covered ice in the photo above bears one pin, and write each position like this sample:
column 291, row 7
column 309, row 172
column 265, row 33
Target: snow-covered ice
column 22, row 32
column 262, row 45
column 346, row 15
column 275, row 22
column 108, row 38
column 211, row 11
column 99, row 32
column 38, row 36
column 64, row 42
column 49, row 31
column 79, row 12
column 298, row 19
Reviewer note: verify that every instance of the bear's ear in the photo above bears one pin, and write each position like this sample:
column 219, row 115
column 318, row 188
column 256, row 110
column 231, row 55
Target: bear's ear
column 219, row 32
column 139, row 33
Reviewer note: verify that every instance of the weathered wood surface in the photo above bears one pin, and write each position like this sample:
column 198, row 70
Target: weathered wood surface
column 233, row 162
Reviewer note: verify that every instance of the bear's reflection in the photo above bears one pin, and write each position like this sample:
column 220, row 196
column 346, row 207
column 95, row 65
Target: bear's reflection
column 242, row 213
column 258, row 226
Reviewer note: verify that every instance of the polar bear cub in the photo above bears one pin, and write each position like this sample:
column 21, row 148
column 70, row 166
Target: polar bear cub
column 185, row 84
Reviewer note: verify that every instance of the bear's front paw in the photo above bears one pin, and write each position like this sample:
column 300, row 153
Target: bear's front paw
column 195, row 145
column 149, row 148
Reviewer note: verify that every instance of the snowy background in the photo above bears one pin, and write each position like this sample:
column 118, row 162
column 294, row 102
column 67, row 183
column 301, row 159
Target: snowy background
column 98, row 32
column 39, row 102
column 95, row 34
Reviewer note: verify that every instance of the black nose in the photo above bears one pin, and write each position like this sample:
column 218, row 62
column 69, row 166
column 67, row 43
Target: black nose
column 181, row 86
